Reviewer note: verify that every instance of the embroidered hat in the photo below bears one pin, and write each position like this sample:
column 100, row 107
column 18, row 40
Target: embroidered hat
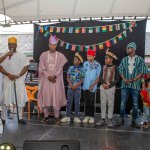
column 91, row 52
column 111, row 54
column 53, row 40
column 12, row 40
column 79, row 56
column 132, row 45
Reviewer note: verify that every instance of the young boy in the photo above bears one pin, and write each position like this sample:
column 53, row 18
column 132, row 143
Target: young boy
column 74, row 79
column 108, row 79
column 145, row 94
column 91, row 70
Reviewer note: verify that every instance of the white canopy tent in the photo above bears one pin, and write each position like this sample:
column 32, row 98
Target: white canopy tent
column 21, row 10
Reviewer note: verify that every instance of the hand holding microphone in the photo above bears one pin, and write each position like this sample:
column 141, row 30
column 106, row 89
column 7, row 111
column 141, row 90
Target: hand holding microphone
column 10, row 53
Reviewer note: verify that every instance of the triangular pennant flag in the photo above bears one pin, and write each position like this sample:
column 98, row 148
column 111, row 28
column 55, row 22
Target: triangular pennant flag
column 125, row 33
column 101, row 46
column 51, row 29
column 130, row 24
column 133, row 24
column 108, row 44
column 97, row 29
column 73, row 47
column 104, row 28
column 45, row 28
column 90, row 30
column 93, row 47
column 70, row 30
column 110, row 28
column 114, row 41
column 118, row 26
column 67, row 45
column 78, row 48
column 62, row 43
column 86, row 48
column 124, row 26
column 46, row 34
column 120, row 37
column 81, row 48
column 64, row 30
column 77, row 30
column 58, row 30
column 41, row 29
column 83, row 30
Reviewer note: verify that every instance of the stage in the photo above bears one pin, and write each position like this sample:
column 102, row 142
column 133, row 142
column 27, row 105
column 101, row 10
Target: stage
column 91, row 137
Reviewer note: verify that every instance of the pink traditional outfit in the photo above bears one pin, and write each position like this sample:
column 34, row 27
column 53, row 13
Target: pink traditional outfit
column 51, row 94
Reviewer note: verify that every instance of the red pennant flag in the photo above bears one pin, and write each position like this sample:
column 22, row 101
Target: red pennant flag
column 73, row 48
column 108, row 44
column 81, row 48
column 83, row 30
column 41, row 29
column 133, row 24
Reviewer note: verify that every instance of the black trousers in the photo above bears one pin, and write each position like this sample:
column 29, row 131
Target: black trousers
column 89, row 98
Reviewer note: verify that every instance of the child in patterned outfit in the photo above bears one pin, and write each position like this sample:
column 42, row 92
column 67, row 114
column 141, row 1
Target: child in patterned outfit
column 145, row 94
column 74, row 79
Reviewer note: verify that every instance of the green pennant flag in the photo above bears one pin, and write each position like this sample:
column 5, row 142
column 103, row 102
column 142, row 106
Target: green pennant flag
column 97, row 29
column 125, row 33
column 46, row 34
column 124, row 26
column 90, row 30
column 104, row 29
column 86, row 48
column 77, row 30
column 120, row 37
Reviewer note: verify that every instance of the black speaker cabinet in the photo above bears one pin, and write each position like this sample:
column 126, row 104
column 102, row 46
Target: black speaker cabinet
column 52, row 145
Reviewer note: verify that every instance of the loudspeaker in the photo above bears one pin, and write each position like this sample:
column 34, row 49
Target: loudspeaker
column 52, row 145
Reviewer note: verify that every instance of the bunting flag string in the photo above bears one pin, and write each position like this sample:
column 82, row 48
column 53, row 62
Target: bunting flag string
column 108, row 43
column 96, row 29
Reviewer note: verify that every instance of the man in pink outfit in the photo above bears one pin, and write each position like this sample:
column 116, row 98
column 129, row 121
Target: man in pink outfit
column 51, row 90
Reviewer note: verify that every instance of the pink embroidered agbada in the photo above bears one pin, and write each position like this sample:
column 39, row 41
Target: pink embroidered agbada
column 51, row 94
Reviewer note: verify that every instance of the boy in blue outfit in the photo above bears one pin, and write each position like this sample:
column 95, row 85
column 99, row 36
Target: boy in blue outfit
column 74, row 79
column 92, row 71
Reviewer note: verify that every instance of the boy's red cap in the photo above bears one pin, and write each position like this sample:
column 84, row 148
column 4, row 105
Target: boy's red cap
column 91, row 52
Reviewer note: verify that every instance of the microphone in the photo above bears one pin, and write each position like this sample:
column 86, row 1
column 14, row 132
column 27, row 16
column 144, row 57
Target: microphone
column 10, row 55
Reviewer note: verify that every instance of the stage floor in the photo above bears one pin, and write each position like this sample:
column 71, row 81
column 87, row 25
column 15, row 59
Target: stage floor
column 91, row 137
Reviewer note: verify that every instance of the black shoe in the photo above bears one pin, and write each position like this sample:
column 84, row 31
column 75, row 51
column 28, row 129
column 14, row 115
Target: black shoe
column 135, row 124
column 145, row 125
column 22, row 121
column 120, row 122
column 45, row 120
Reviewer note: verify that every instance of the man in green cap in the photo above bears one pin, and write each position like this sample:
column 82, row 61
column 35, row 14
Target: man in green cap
column 131, row 70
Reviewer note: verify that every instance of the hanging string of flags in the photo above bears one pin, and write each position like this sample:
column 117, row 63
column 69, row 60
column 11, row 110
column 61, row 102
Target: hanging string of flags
column 94, row 29
column 108, row 43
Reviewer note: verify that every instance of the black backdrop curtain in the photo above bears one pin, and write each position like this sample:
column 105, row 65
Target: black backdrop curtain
column 137, row 36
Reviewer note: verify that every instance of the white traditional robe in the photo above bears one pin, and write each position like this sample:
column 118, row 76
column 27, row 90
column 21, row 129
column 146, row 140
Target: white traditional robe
column 14, row 65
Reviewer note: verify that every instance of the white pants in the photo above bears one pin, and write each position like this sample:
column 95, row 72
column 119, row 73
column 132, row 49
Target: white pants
column 4, row 112
column 107, row 97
